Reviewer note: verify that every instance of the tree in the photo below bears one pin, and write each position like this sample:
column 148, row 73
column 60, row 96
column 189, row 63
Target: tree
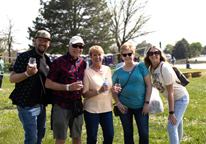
column 140, row 48
column 2, row 47
column 168, row 49
column 66, row 18
column 8, row 38
column 203, row 50
column 195, row 48
column 181, row 49
column 129, row 20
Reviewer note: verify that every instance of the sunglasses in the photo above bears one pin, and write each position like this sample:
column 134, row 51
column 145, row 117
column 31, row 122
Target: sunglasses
column 75, row 46
column 125, row 54
column 156, row 53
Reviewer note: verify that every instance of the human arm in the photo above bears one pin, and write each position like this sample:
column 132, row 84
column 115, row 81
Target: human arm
column 171, row 117
column 94, row 84
column 92, row 93
column 18, row 77
column 62, row 87
column 120, row 106
column 148, row 83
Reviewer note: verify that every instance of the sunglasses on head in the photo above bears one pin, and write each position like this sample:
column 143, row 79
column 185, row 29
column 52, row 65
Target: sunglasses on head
column 75, row 46
column 125, row 54
column 151, row 53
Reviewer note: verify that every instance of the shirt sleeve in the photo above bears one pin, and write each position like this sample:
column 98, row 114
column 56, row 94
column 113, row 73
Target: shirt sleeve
column 168, row 74
column 20, row 64
column 115, row 76
column 53, row 72
column 143, row 69
column 85, row 81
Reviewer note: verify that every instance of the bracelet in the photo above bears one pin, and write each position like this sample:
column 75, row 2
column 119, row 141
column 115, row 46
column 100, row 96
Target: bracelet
column 117, row 104
column 26, row 74
column 97, row 91
column 67, row 87
column 171, row 112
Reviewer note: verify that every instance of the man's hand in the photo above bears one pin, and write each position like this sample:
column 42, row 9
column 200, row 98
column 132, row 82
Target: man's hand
column 75, row 86
column 31, row 71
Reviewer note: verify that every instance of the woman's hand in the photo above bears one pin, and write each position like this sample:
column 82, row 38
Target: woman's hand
column 116, row 89
column 172, row 119
column 104, row 88
column 122, row 108
column 145, row 110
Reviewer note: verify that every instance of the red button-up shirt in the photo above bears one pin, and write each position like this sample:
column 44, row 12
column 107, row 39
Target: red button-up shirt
column 66, row 70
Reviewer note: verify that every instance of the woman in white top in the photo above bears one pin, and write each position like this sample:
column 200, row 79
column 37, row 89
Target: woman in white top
column 164, row 79
column 97, row 106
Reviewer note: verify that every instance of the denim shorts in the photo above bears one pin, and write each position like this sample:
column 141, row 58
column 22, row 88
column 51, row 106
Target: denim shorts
column 62, row 118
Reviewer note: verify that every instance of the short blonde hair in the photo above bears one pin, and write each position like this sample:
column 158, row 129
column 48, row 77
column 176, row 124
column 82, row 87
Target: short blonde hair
column 147, row 61
column 95, row 49
column 127, row 46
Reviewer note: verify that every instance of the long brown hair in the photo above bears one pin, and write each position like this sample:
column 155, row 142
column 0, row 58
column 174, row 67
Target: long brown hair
column 147, row 61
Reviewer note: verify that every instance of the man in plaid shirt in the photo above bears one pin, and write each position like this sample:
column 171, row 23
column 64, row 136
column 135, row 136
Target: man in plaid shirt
column 65, row 79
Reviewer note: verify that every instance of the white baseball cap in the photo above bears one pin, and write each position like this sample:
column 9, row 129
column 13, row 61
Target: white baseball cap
column 76, row 39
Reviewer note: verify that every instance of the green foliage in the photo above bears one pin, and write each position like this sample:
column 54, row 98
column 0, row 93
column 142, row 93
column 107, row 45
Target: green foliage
column 66, row 18
column 203, row 50
column 195, row 48
column 168, row 49
column 181, row 49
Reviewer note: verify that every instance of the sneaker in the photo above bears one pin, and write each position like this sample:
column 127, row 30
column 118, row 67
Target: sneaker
column 0, row 89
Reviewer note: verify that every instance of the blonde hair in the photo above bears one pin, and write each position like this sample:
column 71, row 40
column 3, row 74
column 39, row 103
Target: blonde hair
column 147, row 61
column 127, row 46
column 95, row 49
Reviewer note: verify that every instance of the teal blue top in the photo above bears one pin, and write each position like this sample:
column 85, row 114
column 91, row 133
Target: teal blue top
column 133, row 94
column 1, row 66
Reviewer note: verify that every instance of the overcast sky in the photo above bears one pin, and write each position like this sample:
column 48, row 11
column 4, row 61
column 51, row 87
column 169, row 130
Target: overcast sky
column 171, row 19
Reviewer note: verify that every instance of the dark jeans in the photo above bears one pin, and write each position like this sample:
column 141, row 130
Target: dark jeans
column 142, row 125
column 92, row 121
column 1, row 79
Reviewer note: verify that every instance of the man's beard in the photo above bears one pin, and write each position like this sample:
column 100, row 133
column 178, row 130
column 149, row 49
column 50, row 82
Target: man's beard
column 41, row 51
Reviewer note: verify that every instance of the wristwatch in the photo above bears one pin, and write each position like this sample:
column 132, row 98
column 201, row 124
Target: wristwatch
column 171, row 112
column 147, row 102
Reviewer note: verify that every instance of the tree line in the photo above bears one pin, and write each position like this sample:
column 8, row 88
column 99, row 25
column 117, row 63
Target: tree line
column 108, row 23
column 182, row 49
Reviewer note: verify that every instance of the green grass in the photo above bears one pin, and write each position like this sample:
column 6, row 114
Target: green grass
column 11, row 130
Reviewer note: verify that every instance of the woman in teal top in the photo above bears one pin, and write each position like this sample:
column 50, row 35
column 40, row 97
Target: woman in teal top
column 134, row 97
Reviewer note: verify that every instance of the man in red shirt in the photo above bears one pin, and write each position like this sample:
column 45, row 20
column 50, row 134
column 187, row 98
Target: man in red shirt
column 65, row 79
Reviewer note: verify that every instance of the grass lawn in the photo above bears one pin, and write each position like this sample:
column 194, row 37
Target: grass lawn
column 11, row 130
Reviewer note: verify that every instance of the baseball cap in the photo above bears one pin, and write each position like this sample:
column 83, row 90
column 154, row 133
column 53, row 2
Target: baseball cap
column 43, row 34
column 76, row 39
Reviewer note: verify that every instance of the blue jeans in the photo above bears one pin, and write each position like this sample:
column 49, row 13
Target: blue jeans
column 142, row 125
column 176, row 131
column 34, row 123
column 92, row 121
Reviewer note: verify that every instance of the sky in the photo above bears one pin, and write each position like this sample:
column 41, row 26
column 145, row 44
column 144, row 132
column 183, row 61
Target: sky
column 171, row 20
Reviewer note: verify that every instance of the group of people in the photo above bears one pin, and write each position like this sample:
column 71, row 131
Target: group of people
column 63, row 82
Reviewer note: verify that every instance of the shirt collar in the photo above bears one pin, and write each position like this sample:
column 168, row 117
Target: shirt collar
column 70, row 57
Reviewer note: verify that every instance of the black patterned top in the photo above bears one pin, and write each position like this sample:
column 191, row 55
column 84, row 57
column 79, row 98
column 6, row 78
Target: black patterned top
column 22, row 95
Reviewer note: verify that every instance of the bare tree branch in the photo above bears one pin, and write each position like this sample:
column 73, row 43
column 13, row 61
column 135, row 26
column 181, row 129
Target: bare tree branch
column 129, row 20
